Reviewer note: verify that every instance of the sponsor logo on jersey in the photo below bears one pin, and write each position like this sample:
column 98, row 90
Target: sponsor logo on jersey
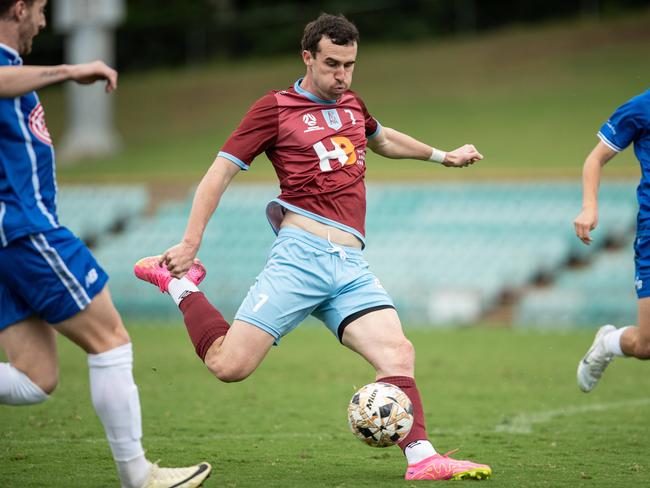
column 37, row 125
column 347, row 147
column 332, row 119
column 311, row 123
column 343, row 152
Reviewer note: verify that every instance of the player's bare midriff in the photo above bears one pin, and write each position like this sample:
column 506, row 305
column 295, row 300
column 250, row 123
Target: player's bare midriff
column 337, row 236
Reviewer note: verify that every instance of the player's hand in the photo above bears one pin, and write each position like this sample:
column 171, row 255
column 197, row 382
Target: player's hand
column 585, row 222
column 87, row 73
column 462, row 157
column 179, row 259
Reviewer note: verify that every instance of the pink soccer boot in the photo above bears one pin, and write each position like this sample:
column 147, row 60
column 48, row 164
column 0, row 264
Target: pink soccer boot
column 442, row 467
column 149, row 269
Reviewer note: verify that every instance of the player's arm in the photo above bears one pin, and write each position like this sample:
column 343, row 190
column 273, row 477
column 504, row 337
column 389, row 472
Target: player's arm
column 393, row 144
column 180, row 257
column 587, row 220
column 19, row 80
column 253, row 136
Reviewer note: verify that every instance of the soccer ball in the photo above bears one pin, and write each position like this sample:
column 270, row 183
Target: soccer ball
column 380, row 414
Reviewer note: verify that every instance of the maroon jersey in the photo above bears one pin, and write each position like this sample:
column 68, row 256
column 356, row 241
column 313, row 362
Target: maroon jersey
column 318, row 150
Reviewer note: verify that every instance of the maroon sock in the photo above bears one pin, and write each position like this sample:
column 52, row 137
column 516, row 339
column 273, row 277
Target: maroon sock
column 204, row 323
column 407, row 385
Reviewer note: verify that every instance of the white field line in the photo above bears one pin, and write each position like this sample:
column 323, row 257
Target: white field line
column 520, row 424
column 263, row 436
column 524, row 422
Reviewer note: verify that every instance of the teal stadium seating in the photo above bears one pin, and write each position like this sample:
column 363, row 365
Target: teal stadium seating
column 447, row 253
column 93, row 211
column 600, row 293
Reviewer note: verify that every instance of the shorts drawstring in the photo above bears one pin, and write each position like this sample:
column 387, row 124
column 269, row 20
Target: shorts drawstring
column 334, row 249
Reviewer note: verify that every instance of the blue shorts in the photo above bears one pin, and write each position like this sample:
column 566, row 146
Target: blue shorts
column 642, row 266
column 305, row 275
column 52, row 275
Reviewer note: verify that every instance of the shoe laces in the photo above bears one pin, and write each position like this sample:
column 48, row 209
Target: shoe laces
column 449, row 453
column 598, row 365
column 598, row 360
column 165, row 474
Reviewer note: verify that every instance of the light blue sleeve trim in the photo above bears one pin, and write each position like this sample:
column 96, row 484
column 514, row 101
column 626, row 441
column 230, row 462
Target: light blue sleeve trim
column 318, row 218
column 609, row 143
column 377, row 131
column 234, row 159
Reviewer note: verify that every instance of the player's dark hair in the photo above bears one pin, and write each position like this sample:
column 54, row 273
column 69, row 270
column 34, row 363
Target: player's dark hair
column 5, row 5
column 336, row 28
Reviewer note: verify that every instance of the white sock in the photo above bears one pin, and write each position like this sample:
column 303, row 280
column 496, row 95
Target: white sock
column 17, row 389
column 133, row 473
column 116, row 401
column 416, row 451
column 179, row 289
column 612, row 342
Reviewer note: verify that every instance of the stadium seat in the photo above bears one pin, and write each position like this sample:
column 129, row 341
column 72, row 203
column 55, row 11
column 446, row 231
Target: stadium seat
column 446, row 252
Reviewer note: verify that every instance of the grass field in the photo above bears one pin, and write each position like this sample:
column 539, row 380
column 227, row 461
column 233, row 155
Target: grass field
column 531, row 98
column 504, row 397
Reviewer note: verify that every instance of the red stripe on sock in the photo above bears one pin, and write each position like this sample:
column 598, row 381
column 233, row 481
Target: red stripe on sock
column 204, row 323
column 407, row 385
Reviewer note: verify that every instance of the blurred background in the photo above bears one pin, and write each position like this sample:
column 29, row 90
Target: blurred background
column 528, row 82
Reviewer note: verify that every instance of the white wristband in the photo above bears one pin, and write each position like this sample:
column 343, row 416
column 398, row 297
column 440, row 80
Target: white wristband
column 437, row 156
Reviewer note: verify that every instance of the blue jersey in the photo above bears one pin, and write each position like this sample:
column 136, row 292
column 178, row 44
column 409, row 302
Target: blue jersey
column 630, row 123
column 27, row 175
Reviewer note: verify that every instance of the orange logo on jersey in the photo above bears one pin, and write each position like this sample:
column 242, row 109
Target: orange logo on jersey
column 347, row 147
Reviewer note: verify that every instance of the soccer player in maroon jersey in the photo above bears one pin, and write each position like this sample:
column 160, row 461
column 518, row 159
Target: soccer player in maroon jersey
column 315, row 133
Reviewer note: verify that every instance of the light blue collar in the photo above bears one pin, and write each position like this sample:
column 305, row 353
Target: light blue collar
column 311, row 96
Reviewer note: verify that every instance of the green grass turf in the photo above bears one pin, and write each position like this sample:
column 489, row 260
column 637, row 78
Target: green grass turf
column 504, row 397
column 530, row 98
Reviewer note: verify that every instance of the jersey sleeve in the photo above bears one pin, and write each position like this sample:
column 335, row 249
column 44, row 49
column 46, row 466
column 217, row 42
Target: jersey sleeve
column 257, row 132
column 623, row 127
column 373, row 127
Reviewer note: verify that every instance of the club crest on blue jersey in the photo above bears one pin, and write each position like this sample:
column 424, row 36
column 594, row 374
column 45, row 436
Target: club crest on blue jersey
column 332, row 119
column 37, row 125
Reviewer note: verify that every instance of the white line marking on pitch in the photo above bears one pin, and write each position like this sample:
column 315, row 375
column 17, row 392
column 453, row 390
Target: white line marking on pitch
column 523, row 423
column 519, row 424
column 264, row 436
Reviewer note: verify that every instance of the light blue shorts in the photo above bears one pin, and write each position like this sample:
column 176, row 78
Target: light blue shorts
column 305, row 275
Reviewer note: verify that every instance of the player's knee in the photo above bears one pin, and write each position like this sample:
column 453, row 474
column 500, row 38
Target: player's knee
column 642, row 349
column 405, row 353
column 398, row 358
column 121, row 335
column 44, row 377
column 228, row 372
column 231, row 375
column 113, row 335
column 116, row 333
column 48, row 383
